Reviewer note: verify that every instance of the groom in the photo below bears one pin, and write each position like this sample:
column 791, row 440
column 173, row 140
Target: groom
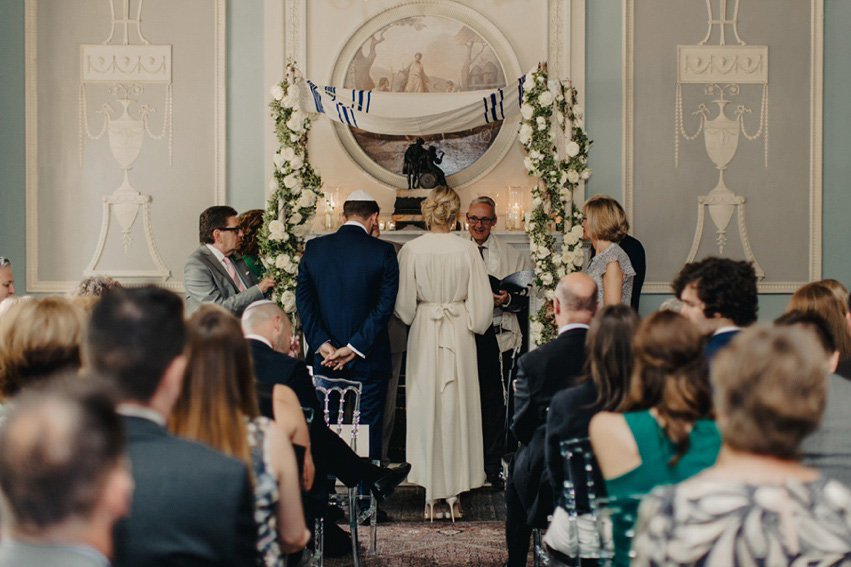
column 346, row 291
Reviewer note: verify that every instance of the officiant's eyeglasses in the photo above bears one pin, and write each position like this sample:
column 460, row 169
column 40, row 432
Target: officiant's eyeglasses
column 234, row 228
column 477, row 220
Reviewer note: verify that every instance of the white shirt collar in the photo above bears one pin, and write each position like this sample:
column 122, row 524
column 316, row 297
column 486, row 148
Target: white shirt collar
column 263, row 340
column 729, row 329
column 216, row 252
column 571, row 326
column 135, row 410
column 356, row 223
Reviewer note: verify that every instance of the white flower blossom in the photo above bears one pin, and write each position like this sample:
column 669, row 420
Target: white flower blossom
column 267, row 261
column 535, row 154
column 277, row 92
column 578, row 230
column 291, row 181
column 578, row 111
column 579, row 260
column 578, row 123
column 307, row 199
column 276, row 226
column 559, row 118
column 287, row 153
column 572, row 149
column 585, row 174
column 296, row 122
column 547, row 278
column 288, row 299
column 537, row 201
column 278, row 159
column 529, row 82
column 545, row 99
column 550, row 294
column 543, row 252
column 563, row 177
column 573, row 177
column 297, row 162
column 281, row 261
column 294, row 137
column 300, row 230
column 539, row 78
column 529, row 164
column 526, row 111
column 294, row 219
column 291, row 100
column 570, row 239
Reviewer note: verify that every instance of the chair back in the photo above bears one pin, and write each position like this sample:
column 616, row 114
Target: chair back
column 336, row 395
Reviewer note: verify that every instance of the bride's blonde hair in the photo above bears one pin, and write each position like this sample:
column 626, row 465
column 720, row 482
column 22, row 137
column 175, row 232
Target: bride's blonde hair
column 441, row 207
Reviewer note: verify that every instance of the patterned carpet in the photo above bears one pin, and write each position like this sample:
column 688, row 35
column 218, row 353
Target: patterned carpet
column 408, row 540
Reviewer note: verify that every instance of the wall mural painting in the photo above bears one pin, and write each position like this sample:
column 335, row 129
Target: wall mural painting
column 431, row 54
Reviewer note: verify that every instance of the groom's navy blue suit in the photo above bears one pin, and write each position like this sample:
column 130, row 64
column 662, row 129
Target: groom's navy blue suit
column 347, row 285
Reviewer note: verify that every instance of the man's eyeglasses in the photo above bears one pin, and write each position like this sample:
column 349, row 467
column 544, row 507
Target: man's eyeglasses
column 5, row 262
column 233, row 228
column 477, row 220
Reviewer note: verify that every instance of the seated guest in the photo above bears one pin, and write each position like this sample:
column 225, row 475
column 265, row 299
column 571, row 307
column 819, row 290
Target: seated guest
column 664, row 432
column 838, row 290
column 210, row 275
column 758, row 505
column 719, row 296
column 38, row 339
column 605, row 225
column 540, row 374
column 250, row 222
column 828, row 449
column 218, row 407
column 94, row 286
column 820, row 299
column 606, row 382
column 269, row 335
column 64, row 477
column 7, row 278
column 192, row 505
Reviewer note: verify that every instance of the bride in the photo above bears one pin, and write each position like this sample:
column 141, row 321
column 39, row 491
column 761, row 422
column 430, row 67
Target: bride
column 445, row 296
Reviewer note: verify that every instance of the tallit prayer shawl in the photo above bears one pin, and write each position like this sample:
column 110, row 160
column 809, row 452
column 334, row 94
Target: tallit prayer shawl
column 410, row 114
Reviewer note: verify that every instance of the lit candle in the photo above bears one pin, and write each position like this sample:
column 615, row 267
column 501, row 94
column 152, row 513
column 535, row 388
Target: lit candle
column 380, row 225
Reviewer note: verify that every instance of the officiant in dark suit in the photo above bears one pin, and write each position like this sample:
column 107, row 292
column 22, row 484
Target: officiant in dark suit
column 540, row 375
column 210, row 275
column 346, row 291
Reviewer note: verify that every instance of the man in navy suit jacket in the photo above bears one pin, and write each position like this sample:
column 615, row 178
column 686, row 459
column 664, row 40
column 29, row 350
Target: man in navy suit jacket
column 720, row 296
column 346, row 291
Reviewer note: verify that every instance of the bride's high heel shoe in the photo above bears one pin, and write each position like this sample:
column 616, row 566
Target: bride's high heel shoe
column 453, row 511
column 429, row 513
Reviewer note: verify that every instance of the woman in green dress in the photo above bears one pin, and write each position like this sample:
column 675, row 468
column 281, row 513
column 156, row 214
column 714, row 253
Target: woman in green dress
column 664, row 431
column 250, row 222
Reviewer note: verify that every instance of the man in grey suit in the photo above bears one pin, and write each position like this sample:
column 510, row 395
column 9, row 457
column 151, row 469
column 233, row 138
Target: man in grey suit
column 64, row 477
column 193, row 506
column 210, row 275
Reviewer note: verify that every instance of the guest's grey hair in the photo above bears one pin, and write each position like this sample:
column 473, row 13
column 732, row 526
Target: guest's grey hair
column 94, row 286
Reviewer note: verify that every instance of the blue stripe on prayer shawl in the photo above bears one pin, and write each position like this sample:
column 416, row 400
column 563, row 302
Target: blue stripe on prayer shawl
column 520, row 90
column 368, row 100
column 346, row 116
column 317, row 98
column 501, row 110
column 331, row 92
column 492, row 114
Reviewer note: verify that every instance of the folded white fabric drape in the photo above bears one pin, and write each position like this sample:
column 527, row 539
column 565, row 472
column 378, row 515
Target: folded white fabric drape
column 411, row 113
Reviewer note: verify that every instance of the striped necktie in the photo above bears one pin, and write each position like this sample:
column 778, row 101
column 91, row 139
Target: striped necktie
column 232, row 273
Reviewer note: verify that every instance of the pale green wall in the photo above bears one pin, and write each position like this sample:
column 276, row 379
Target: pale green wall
column 247, row 110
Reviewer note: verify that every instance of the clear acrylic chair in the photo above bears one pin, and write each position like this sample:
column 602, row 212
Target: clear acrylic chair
column 588, row 531
column 340, row 397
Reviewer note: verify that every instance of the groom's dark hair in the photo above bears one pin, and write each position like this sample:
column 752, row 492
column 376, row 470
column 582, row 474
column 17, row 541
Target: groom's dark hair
column 360, row 209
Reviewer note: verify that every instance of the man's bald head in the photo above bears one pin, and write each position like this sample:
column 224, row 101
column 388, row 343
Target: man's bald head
column 576, row 295
column 266, row 319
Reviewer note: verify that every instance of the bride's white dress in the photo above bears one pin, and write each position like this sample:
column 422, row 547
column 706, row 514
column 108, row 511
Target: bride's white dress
column 445, row 296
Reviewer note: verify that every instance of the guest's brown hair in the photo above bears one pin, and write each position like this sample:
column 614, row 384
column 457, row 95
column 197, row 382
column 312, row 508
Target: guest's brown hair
column 670, row 376
column 250, row 222
column 606, row 218
column 818, row 298
column 218, row 388
column 609, row 351
column 770, row 386
column 39, row 338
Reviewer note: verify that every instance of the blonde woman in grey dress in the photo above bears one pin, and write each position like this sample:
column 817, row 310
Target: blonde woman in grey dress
column 605, row 225
column 445, row 297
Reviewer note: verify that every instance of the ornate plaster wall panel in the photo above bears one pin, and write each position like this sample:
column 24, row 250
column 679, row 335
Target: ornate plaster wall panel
column 738, row 83
column 117, row 174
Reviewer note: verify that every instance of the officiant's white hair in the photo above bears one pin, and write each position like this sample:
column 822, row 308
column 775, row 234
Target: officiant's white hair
column 484, row 200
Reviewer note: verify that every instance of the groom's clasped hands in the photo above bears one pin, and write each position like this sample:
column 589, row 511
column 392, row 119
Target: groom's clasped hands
column 336, row 358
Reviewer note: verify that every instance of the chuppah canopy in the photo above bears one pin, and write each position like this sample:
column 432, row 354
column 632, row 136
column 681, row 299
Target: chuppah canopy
column 410, row 114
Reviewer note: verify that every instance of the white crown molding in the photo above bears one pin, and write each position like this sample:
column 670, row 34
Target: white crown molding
column 33, row 282
column 815, row 157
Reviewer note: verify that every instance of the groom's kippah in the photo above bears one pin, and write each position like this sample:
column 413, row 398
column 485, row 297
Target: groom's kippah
column 360, row 195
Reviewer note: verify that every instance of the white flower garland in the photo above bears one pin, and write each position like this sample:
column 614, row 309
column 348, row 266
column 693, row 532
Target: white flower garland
column 295, row 189
column 559, row 177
